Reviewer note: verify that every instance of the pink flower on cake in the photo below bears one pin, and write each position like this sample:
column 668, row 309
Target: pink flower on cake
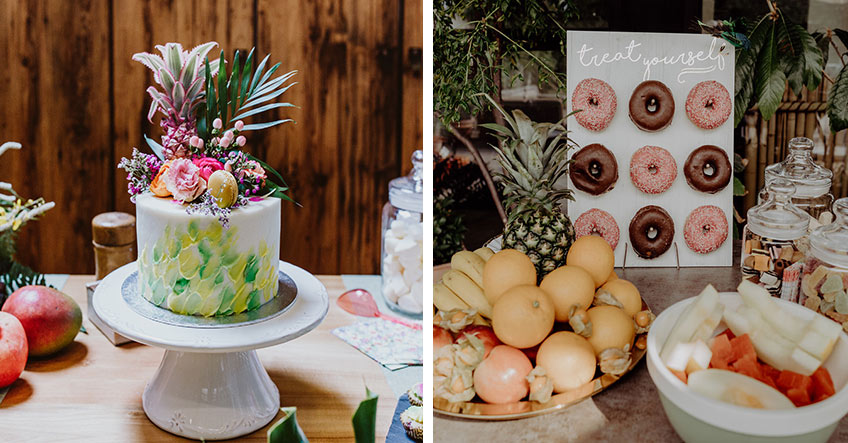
column 207, row 166
column 253, row 170
column 246, row 169
column 183, row 180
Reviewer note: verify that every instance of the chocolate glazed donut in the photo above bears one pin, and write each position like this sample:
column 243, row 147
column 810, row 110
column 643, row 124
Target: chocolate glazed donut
column 594, row 169
column 707, row 169
column 651, row 106
column 651, row 232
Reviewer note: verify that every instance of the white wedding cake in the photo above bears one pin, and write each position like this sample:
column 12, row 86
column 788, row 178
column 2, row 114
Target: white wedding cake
column 191, row 264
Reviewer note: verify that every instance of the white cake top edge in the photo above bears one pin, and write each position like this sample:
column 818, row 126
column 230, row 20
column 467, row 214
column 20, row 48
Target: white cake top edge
column 170, row 207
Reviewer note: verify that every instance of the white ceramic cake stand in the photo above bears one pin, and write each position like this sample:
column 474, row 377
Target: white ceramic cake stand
column 210, row 384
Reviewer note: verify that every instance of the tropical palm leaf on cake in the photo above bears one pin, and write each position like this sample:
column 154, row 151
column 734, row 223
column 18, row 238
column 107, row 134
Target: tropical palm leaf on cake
column 239, row 94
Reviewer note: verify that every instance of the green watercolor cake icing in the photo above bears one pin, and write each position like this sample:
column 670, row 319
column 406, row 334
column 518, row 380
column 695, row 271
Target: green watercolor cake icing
column 193, row 265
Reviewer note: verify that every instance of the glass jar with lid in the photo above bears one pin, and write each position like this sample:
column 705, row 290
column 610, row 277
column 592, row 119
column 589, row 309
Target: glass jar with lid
column 824, row 285
column 812, row 182
column 774, row 238
column 402, row 266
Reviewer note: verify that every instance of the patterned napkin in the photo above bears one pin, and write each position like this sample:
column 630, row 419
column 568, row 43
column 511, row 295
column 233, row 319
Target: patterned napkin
column 390, row 344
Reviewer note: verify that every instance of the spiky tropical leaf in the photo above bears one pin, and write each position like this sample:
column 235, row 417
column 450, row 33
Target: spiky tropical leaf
column 837, row 102
column 823, row 43
column 266, row 125
column 155, row 147
column 770, row 79
column 233, row 84
column 807, row 57
column 745, row 64
column 245, row 77
column 222, row 89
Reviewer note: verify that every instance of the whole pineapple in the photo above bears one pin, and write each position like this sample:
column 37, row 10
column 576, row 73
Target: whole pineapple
column 534, row 157
column 181, row 75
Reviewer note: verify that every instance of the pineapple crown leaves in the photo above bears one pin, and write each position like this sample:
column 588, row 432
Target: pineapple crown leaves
column 533, row 157
column 232, row 97
column 178, row 73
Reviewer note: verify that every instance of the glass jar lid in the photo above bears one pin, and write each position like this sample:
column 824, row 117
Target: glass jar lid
column 830, row 242
column 408, row 192
column 810, row 179
column 777, row 217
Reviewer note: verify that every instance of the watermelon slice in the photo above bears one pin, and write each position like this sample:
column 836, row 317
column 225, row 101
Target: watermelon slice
column 722, row 353
column 742, row 347
column 749, row 366
column 800, row 397
column 789, row 380
column 770, row 373
column 822, row 384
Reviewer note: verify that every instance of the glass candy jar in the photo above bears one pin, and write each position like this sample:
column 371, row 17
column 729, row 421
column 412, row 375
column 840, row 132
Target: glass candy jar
column 403, row 237
column 812, row 182
column 824, row 285
column 774, row 240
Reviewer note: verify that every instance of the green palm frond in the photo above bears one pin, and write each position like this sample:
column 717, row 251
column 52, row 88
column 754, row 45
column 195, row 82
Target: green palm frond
column 236, row 96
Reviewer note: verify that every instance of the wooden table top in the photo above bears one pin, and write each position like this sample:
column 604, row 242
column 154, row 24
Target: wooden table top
column 631, row 408
column 91, row 391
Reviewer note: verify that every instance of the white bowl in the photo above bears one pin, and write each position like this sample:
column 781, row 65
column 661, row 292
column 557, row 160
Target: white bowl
column 700, row 419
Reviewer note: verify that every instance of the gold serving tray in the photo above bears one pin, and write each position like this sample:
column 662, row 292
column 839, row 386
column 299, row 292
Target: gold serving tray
column 478, row 410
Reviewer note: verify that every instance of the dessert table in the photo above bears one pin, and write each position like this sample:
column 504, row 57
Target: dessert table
column 91, row 391
column 628, row 411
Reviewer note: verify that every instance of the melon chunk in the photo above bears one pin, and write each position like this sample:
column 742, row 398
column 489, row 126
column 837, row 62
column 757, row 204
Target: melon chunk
column 757, row 297
column 679, row 356
column 700, row 358
column 700, row 310
column 737, row 389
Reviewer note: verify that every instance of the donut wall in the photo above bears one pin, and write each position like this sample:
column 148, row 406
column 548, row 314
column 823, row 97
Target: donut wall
column 654, row 168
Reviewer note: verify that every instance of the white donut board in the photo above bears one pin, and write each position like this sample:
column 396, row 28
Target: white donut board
column 680, row 61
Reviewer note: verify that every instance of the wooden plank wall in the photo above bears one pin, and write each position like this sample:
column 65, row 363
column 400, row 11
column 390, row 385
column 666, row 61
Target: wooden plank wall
column 76, row 100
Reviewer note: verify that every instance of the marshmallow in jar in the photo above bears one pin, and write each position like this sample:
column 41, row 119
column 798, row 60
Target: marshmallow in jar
column 403, row 241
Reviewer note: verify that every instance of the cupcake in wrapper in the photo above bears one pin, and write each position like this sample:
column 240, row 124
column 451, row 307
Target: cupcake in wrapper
column 413, row 422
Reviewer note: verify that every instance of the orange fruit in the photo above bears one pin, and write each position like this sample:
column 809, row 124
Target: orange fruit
column 506, row 269
column 626, row 293
column 523, row 316
column 593, row 254
column 567, row 286
column 611, row 328
column 568, row 359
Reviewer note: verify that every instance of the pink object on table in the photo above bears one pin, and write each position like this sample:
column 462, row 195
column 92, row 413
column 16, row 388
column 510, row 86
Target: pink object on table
column 360, row 302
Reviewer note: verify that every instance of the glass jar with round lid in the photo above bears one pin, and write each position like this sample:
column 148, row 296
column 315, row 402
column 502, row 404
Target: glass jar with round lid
column 824, row 285
column 812, row 182
column 402, row 241
column 774, row 238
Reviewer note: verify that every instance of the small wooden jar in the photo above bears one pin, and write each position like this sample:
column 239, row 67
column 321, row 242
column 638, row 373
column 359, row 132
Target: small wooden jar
column 113, row 235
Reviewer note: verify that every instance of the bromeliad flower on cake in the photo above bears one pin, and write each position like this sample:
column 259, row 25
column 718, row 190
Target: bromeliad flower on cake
column 201, row 160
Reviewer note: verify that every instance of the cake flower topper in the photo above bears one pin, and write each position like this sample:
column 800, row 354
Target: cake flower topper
column 203, row 108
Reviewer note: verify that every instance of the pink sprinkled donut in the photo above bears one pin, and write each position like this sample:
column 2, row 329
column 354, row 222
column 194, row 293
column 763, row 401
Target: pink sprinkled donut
column 708, row 105
column 652, row 169
column 597, row 222
column 705, row 229
column 595, row 99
